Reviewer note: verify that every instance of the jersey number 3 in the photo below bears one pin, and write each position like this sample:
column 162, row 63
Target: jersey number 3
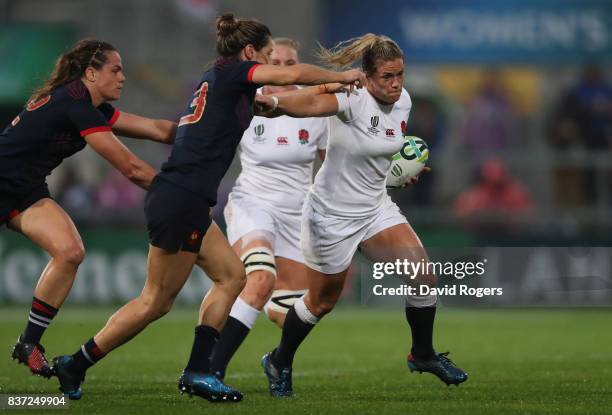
column 198, row 104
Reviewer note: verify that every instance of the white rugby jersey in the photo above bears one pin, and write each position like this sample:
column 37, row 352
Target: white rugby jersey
column 362, row 138
column 277, row 157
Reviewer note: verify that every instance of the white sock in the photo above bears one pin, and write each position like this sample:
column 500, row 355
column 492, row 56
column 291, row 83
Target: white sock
column 244, row 313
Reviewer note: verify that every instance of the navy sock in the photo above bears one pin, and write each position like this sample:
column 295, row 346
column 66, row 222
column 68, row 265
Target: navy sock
column 40, row 317
column 294, row 333
column 203, row 344
column 421, row 321
column 87, row 355
column 231, row 338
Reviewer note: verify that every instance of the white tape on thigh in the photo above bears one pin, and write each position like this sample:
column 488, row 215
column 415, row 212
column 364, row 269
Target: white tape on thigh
column 259, row 259
column 282, row 300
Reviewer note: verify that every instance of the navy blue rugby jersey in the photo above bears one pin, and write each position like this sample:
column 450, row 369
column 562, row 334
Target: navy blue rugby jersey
column 46, row 132
column 211, row 127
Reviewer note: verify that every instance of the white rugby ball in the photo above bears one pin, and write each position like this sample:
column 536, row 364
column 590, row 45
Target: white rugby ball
column 408, row 162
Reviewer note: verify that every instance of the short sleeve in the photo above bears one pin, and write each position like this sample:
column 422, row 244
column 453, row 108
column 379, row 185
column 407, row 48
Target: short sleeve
column 324, row 138
column 244, row 71
column 110, row 113
column 348, row 106
column 86, row 118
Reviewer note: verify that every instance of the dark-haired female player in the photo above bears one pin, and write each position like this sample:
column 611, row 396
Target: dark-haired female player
column 68, row 112
column 264, row 211
column 178, row 202
column 356, row 165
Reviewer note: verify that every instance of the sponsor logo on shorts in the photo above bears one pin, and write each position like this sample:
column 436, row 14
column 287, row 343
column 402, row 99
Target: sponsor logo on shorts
column 282, row 141
column 373, row 124
column 193, row 237
column 303, row 136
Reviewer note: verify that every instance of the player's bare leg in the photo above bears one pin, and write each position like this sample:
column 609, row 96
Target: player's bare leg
column 292, row 280
column 323, row 293
column 46, row 224
column 258, row 263
column 225, row 269
column 401, row 242
column 256, row 294
column 166, row 275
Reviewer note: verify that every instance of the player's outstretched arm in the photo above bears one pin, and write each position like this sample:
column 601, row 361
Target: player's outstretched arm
column 328, row 88
column 304, row 74
column 135, row 126
column 108, row 146
column 297, row 105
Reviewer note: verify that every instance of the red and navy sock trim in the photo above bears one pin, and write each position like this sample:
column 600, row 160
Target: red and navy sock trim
column 91, row 351
column 41, row 315
column 87, row 355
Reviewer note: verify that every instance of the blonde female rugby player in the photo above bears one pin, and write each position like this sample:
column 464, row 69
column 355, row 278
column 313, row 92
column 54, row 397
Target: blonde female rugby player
column 264, row 213
column 348, row 206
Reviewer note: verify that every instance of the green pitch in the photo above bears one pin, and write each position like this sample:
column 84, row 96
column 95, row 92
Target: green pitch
column 519, row 361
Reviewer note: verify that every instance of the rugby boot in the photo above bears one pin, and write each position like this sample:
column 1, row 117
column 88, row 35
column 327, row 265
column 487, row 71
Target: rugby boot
column 33, row 356
column 439, row 365
column 279, row 381
column 207, row 386
column 70, row 382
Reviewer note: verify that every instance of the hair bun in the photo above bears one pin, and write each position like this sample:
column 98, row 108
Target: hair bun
column 226, row 24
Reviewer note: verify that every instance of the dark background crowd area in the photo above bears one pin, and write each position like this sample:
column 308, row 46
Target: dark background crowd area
column 520, row 150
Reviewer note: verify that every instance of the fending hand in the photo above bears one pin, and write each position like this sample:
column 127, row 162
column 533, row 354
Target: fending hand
column 354, row 77
column 264, row 105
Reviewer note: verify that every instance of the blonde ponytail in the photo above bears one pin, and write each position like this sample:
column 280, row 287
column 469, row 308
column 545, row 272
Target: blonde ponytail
column 367, row 48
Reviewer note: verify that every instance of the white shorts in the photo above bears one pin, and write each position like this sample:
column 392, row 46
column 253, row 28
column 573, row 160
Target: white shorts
column 329, row 242
column 244, row 215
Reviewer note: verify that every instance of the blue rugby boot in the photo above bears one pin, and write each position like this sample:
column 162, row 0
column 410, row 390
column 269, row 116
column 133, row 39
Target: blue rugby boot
column 70, row 382
column 439, row 365
column 220, row 374
column 279, row 381
column 33, row 356
column 207, row 386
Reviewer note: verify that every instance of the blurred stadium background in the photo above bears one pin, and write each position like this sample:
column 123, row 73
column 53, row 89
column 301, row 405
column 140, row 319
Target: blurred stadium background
column 513, row 97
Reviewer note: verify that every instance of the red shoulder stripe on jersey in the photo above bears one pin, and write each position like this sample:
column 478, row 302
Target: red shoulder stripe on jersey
column 13, row 213
column 113, row 119
column 95, row 130
column 250, row 74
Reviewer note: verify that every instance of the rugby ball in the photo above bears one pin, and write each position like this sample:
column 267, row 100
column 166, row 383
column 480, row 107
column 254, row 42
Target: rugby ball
column 408, row 162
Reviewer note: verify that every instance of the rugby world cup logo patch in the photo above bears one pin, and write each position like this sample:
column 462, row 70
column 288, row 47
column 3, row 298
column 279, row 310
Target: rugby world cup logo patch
column 259, row 130
column 373, row 124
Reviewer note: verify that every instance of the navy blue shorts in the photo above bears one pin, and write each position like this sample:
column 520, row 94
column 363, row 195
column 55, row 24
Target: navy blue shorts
column 12, row 204
column 177, row 219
